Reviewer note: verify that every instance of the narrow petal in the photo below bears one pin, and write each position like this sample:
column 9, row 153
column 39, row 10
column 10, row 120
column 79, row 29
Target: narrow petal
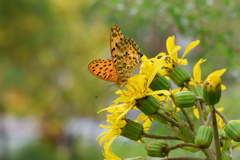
column 102, row 134
column 157, row 66
column 197, row 71
column 170, row 44
column 165, row 92
column 223, row 87
column 219, row 73
column 190, row 47
column 108, row 147
column 195, row 111
column 141, row 117
column 183, row 61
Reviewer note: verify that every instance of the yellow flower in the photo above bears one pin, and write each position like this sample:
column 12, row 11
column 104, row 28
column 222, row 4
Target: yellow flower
column 173, row 49
column 116, row 119
column 197, row 74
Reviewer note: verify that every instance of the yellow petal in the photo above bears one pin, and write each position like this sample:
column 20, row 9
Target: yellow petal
column 183, row 62
column 223, row 87
column 190, row 47
column 195, row 111
column 144, row 58
column 170, row 44
column 141, row 117
column 108, row 147
column 197, row 71
column 157, row 65
column 219, row 72
column 161, row 54
column 165, row 92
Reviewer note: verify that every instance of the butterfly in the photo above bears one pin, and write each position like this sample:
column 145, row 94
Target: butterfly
column 126, row 56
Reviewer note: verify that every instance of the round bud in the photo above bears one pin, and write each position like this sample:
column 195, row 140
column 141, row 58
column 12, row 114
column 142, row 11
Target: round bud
column 232, row 129
column 184, row 99
column 204, row 137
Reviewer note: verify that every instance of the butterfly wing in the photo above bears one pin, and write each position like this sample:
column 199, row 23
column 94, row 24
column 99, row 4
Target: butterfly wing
column 103, row 69
column 128, row 58
column 115, row 38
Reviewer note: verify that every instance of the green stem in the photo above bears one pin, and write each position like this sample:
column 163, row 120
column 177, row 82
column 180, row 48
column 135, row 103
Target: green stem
column 160, row 136
column 222, row 116
column 208, row 154
column 209, row 119
column 180, row 145
column 168, row 119
column 198, row 105
column 215, row 134
column 190, row 123
column 184, row 158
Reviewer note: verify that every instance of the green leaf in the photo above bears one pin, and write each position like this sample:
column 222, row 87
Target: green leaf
column 226, row 150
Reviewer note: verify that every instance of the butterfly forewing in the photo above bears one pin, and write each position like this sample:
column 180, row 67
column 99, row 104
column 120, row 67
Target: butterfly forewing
column 115, row 38
column 103, row 69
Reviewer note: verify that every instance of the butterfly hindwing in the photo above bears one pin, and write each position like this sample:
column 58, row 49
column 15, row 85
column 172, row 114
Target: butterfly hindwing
column 103, row 69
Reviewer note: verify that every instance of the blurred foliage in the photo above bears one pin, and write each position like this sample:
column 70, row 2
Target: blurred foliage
column 46, row 46
column 214, row 23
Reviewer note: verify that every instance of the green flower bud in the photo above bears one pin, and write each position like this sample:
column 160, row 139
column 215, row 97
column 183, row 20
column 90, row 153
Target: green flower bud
column 132, row 130
column 232, row 129
column 179, row 75
column 212, row 89
column 156, row 148
column 160, row 83
column 204, row 137
column 184, row 99
column 222, row 134
column 148, row 105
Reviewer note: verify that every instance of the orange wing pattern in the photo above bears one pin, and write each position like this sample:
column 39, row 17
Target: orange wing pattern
column 126, row 56
column 103, row 69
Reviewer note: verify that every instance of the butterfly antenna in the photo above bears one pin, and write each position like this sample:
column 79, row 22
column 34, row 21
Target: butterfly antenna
column 105, row 90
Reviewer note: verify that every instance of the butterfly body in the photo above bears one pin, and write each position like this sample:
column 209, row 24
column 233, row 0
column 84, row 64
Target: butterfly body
column 126, row 56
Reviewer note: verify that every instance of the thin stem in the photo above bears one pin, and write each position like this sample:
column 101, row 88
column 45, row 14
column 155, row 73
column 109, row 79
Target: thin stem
column 215, row 134
column 160, row 136
column 199, row 99
column 168, row 119
column 198, row 105
column 184, row 158
column 208, row 154
column 209, row 119
column 222, row 116
column 191, row 125
column 180, row 145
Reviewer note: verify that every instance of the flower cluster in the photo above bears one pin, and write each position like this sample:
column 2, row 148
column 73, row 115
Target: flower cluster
column 150, row 92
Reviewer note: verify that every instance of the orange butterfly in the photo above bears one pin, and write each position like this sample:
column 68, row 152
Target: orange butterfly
column 126, row 56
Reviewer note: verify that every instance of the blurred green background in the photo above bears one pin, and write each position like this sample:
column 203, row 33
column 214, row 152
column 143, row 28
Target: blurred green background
column 48, row 106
